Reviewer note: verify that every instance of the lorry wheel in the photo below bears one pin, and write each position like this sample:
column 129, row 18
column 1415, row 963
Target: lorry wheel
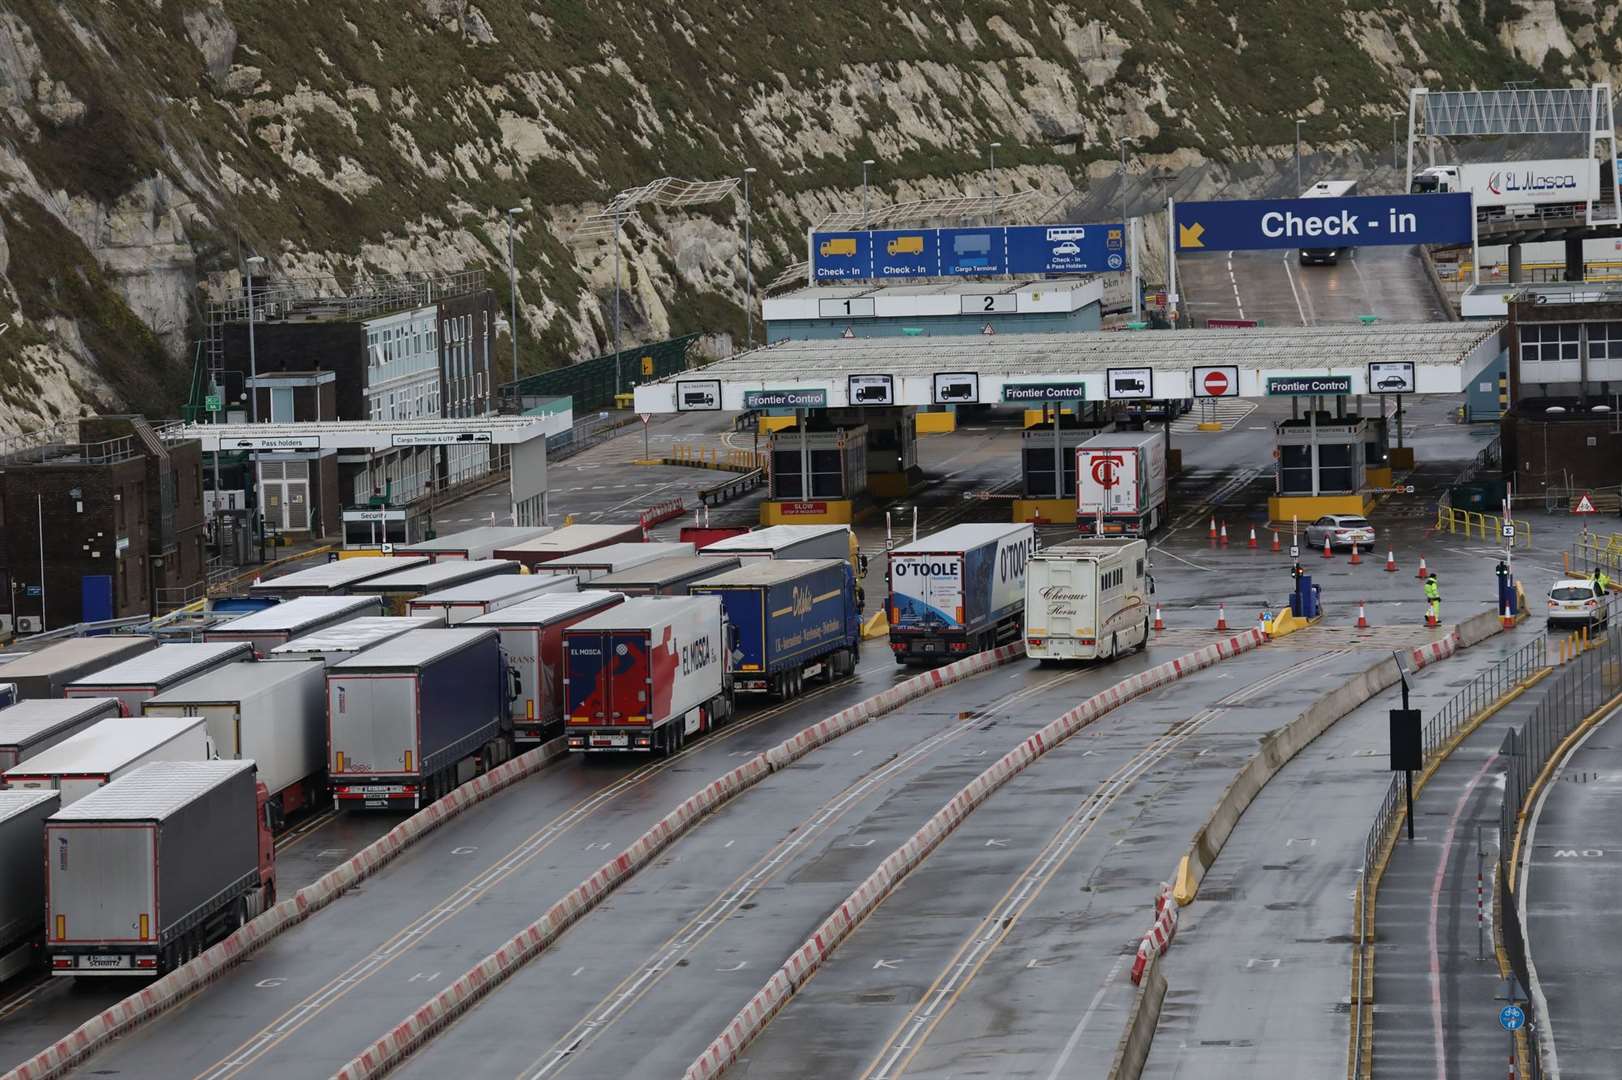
column 1143, row 642
column 1114, row 647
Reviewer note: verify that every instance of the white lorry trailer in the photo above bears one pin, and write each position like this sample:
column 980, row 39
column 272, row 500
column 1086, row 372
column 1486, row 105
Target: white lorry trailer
column 281, row 623
column 460, row 603
column 22, row 886
column 146, row 873
column 134, row 681
column 959, row 591
column 340, row 642
column 532, row 650
column 32, row 727
column 1121, row 483
column 107, row 750
column 272, row 714
column 1087, row 600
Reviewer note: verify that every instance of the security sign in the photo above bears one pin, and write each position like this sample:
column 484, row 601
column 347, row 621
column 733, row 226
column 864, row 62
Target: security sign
column 1215, row 382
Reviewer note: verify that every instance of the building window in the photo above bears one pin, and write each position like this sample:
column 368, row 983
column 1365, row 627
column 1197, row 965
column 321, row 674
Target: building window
column 281, row 405
column 1605, row 340
column 1550, row 342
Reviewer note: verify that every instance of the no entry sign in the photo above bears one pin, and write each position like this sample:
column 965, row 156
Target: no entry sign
column 1215, row 382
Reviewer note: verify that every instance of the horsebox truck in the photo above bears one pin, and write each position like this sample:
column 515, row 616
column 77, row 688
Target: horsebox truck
column 1087, row 600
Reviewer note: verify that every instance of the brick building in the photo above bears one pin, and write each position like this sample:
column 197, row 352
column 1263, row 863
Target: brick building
column 112, row 516
column 395, row 350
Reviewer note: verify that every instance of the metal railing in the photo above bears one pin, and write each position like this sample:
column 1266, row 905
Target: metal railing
column 1594, row 551
column 1482, row 692
column 584, row 435
column 728, row 490
column 108, row 452
column 1485, row 527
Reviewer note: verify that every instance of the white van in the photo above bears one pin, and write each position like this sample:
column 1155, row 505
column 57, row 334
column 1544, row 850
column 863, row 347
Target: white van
column 1087, row 600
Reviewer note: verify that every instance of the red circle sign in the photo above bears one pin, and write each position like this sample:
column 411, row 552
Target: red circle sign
column 1216, row 383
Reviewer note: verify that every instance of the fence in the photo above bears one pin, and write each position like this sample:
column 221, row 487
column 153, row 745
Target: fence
column 1483, row 691
column 1485, row 527
column 592, row 383
column 1593, row 551
column 718, row 457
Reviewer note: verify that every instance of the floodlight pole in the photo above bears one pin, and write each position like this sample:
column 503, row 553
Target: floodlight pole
column 512, row 277
column 1298, row 188
column 617, row 386
column 865, row 163
column 748, row 263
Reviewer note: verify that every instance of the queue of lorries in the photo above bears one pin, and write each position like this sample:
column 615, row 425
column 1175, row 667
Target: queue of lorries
column 127, row 758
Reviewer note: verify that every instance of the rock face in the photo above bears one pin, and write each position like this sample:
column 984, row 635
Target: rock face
column 145, row 145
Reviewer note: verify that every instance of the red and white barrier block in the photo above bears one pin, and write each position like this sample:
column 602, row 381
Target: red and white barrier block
column 805, row 960
column 451, row 1002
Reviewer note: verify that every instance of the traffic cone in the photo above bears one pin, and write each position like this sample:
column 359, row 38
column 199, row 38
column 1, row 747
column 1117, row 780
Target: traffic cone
column 1423, row 573
column 1355, row 560
column 1252, row 542
column 1213, row 529
column 1390, row 561
column 1275, row 541
column 1509, row 620
column 1327, row 553
column 1430, row 616
column 1362, row 619
column 1222, row 617
column 1223, row 536
column 1160, row 624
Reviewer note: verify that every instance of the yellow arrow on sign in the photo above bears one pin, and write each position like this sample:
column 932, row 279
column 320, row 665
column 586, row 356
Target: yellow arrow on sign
column 1188, row 236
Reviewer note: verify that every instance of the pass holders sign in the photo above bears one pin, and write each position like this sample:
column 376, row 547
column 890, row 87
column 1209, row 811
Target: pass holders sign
column 1019, row 393
column 1129, row 384
column 272, row 442
column 1216, row 380
column 1355, row 221
column 795, row 398
column 956, row 388
column 1391, row 377
column 870, row 389
column 698, row 395
column 1308, row 385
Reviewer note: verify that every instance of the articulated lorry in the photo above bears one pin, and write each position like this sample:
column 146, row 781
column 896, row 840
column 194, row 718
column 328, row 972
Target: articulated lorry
column 567, row 542
column 22, row 886
column 478, row 543
column 338, row 643
column 461, row 603
column 272, row 714
column 644, row 675
column 336, row 578
column 100, row 753
column 48, row 672
column 134, row 681
column 532, row 651
column 792, row 619
column 396, row 591
column 32, row 727
column 1511, row 189
column 146, row 873
column 1087, row 600
column 280, row 623
column 958, row 592
column 1121, row 483
column 414, row 717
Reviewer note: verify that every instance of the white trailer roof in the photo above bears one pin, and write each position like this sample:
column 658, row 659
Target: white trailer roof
column 233, row 682
column 295, row 614
column 544, row 609
column 30, row 719
column 621, row 556
column 959, row 538
column 356, row 634
column 499, row 588
column 433, row 575
column 660, row 571
column 639, row 612
column 13, row 803
column 572, row 538
column 70, row 653
column 154, row 791
column 768, row 572
column 414, row 650
column 340, row 573
column 771, row 538
column 486, row 537
column 171, row 661
column 106, row 745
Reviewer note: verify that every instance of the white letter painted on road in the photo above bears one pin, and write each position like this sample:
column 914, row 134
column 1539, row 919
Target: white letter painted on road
column 996, row 841
column 463, row 850
column 888, row 965
column 269, row 984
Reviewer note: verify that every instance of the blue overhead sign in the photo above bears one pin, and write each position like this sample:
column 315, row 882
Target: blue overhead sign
column 1356, row 221
column 988, row 251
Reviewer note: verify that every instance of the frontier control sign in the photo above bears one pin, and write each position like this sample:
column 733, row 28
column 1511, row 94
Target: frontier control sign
column 1355, row 221
column 1308, row 385
column 808, row 398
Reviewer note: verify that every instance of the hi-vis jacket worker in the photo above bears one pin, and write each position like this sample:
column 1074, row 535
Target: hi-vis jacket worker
column 1433, row 589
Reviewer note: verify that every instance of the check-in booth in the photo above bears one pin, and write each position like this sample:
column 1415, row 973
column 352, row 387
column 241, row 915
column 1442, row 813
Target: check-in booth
column 819, row 465
column 1321, row 454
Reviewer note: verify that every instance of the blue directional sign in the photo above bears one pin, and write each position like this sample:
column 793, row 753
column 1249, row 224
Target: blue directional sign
column 1512, row 1017
column 992, row 250
column 1356, row 221
column 842, row 256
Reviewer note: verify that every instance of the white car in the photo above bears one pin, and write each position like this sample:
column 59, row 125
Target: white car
column 1067, row 248
column 1576, row 602
column 1341, row 530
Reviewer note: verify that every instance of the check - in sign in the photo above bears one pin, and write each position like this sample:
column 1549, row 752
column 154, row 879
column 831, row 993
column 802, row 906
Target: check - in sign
column 1355, row 221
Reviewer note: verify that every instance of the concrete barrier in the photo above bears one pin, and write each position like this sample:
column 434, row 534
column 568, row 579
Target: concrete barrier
column 464, row 992
column 1132, row 1052
column 1283, row 744
column 806, row 959
column 67, row 1053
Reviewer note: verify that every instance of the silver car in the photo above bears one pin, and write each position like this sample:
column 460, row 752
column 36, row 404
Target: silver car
column 1341, row 530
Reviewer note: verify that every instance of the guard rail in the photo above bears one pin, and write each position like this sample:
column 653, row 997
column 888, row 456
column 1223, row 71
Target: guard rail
column 727, row 490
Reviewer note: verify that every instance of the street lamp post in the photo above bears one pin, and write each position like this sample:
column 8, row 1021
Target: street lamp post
column 254, row 262
column 1298, row 186
column 748, row 263
column 512, row 277
column 618, row 388
column 866, row 163
column 1124, row 142
column 1394, row 164
column 994, row 147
